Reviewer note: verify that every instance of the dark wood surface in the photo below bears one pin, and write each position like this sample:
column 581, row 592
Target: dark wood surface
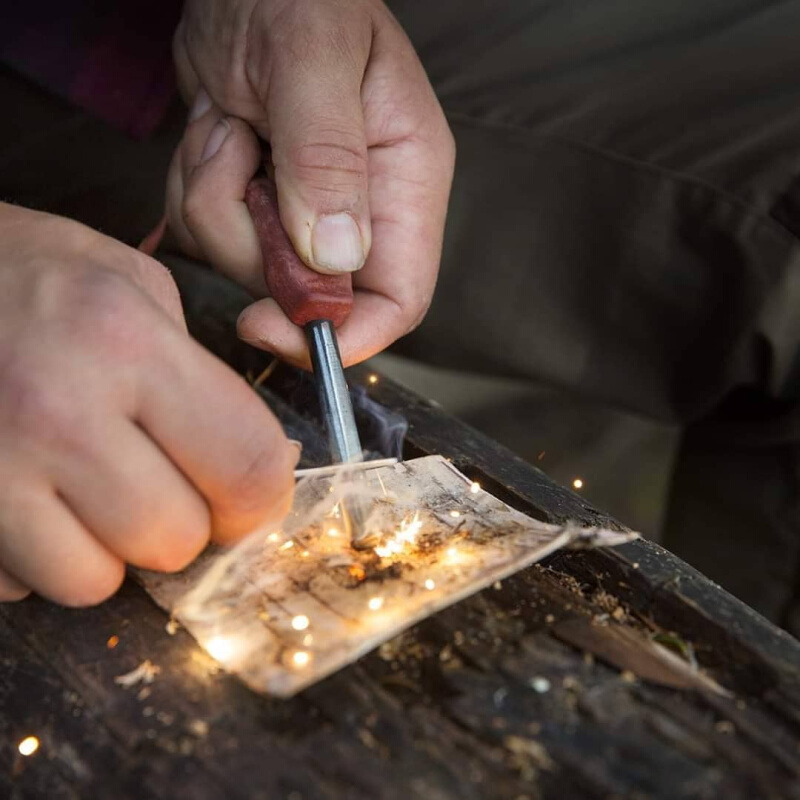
column 484, row 700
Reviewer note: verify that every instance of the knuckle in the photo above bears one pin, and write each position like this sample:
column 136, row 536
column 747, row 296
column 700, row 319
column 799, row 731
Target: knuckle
column 247, row 488
column 335, row 35
column 416, row 318
column 181, row 544
column 72, row 237
column 261, row 487
column 197, row 206
column 415, row 309
column 35, row 408
column 166, row 524
column 336, row 162
column 107, row 314
column 157, row 282
column 174, row 554
column 13, row 594
column 93, row 588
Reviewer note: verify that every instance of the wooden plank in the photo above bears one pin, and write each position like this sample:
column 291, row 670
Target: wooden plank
column 479, row 701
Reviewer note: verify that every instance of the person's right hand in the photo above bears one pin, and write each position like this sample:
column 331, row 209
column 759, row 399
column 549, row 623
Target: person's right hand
column 123, row 440
column 362, row 153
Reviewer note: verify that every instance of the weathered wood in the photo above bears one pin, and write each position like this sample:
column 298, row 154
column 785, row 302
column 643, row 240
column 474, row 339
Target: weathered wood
column 479, row 701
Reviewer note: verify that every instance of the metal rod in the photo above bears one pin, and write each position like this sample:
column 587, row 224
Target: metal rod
column 334, row 397
column 337, row 411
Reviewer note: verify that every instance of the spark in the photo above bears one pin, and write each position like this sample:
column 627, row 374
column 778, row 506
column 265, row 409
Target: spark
column 540, row 685
column 28, row 746
column 455, row 514
column 112, row 642
column 220, row 648
column 452, row 553
column 304, row 554
column 373, row 379
column 375, row 603
column 273, row 537
column 405, row 536
column 430, row 585
column 287, row 545
column 577, row 484
column 333, row 532
column 300, row 622
column 474, row 487
column 301, row 658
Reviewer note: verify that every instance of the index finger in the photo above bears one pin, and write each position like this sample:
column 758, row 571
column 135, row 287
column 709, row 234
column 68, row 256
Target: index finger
column 220, row 434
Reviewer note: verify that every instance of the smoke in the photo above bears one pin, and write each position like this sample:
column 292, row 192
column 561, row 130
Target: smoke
column 382, row 431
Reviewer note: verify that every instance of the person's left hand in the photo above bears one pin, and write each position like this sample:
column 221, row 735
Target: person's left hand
column 362, row 153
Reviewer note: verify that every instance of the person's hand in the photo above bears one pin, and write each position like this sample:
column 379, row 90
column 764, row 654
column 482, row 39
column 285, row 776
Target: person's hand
column 362, row 153
column 124, row 441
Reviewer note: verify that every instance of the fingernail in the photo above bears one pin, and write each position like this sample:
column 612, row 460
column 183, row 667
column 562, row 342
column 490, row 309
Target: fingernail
column 299, row 447
column 336, row 243
column 215, row 139
column 202, row 102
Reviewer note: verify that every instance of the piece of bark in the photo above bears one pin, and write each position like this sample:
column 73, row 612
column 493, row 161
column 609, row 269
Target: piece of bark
column 628, row 649
column 286, row 608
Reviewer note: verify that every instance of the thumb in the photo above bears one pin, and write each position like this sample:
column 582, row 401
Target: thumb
column 319, row 148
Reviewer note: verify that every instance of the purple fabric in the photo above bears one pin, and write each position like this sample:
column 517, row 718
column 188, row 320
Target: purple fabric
column 109, row 57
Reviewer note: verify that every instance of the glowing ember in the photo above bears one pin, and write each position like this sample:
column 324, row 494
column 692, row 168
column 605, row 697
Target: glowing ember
column 402, row 539
column 28, row 746
column 273, row 537
column 455, row 514
column 220, row 648
column 357, row 571
column 430, row 585
column 286, row 546
column 375, row 603
column 577, row 484
column 112, row 642
column 300, row 622
column 301, row 658
column 373, row 379
column 475, row 487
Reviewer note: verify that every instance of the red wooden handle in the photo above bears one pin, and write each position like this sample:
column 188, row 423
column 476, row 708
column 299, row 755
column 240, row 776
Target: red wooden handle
column 303, row 294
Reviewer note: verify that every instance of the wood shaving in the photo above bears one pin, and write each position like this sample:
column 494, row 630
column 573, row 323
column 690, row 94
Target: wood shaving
column 145, row 673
